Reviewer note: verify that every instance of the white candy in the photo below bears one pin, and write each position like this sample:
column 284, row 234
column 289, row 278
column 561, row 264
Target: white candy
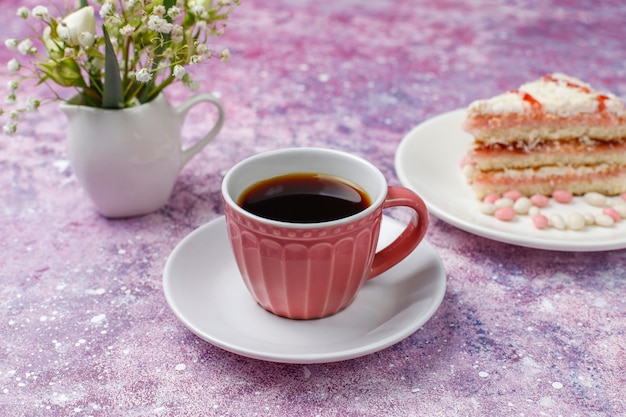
column 575, row 221
column 522, row 205
column 533, row 212
column 595, row 199
column 488, row 208
column 617, row 202
column 557, row 221
column 589, row 218
column 504, row 202
column 604, row 220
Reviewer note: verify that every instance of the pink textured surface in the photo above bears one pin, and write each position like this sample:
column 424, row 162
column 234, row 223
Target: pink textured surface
column 84, row 324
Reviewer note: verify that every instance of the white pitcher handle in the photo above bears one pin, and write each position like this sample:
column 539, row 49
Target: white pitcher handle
column 182, row 111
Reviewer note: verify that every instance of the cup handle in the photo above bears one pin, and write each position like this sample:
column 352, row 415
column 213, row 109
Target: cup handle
column 183, row 109
column 410, row 237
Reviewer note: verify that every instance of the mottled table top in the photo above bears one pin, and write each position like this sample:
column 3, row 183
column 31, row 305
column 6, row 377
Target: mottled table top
column 84, row 324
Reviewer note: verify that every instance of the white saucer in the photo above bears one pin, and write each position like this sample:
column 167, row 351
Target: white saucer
column 427, row 161
column 204, row 289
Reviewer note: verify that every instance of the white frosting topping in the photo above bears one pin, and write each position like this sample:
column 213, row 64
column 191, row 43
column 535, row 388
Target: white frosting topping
column 556, row 93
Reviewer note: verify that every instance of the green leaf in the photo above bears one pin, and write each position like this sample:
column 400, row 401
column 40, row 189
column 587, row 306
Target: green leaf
column 83, row 3
column 113, row 93
column 65, row 73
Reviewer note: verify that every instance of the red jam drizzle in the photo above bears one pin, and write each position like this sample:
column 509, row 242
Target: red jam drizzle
column 534, row 104
column 601, row 102
column 567, row 83
column 601, row 98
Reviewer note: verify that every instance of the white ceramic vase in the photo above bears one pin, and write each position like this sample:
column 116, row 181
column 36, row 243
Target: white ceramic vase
column 127, row 160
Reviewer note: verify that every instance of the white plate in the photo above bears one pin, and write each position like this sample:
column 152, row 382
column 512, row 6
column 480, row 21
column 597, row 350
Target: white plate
column 204, row 289
column 427, row 161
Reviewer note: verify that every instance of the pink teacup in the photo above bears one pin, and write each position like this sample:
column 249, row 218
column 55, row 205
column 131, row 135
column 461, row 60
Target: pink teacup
column 311, row 270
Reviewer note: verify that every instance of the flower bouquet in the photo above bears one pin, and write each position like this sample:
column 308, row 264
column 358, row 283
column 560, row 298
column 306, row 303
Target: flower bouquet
column 139, row 48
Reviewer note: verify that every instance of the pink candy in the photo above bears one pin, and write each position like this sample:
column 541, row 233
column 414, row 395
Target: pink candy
column 610, row 211
column 575, row 221
column 562, row 196
column 505, row 213
column 513, row 195
column 540, row 221
column 540, row 200
column 491, row 198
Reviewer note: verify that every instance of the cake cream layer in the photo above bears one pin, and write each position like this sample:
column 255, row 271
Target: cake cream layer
column 512, row 128
column 604, row 178
column 567, row 152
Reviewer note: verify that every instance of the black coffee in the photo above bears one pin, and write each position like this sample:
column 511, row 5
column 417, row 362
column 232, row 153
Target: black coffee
column 304, row 198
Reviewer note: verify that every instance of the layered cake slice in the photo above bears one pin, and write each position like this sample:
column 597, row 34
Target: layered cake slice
column 553, row 133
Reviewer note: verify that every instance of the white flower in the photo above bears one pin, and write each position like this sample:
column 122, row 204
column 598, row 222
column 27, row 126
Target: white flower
column 10, row 99
column 26, row 47
column 115, row 20
column 204, row 50
column 13, row 85
column 69, row 52
column 154, row 22
column 13, row 66
column 159, row 24
column 9, row 128
column 96, row 64
column 86, row 39
column 23, row 12
column 159, row 10
column 179, row 72
column 14, row 115
column 74, row 24
column 143, row 75
column 106, row 9
column 40, row 12
column 32, row 104
column 195, row 59
column 225, row 55
column 127, row 30
column 199, row 11
column 173, row 12
column 177, row 34
column 11, row 44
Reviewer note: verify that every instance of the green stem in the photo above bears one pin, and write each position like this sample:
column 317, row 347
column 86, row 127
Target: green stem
column 158, row 89
column 126, row 58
